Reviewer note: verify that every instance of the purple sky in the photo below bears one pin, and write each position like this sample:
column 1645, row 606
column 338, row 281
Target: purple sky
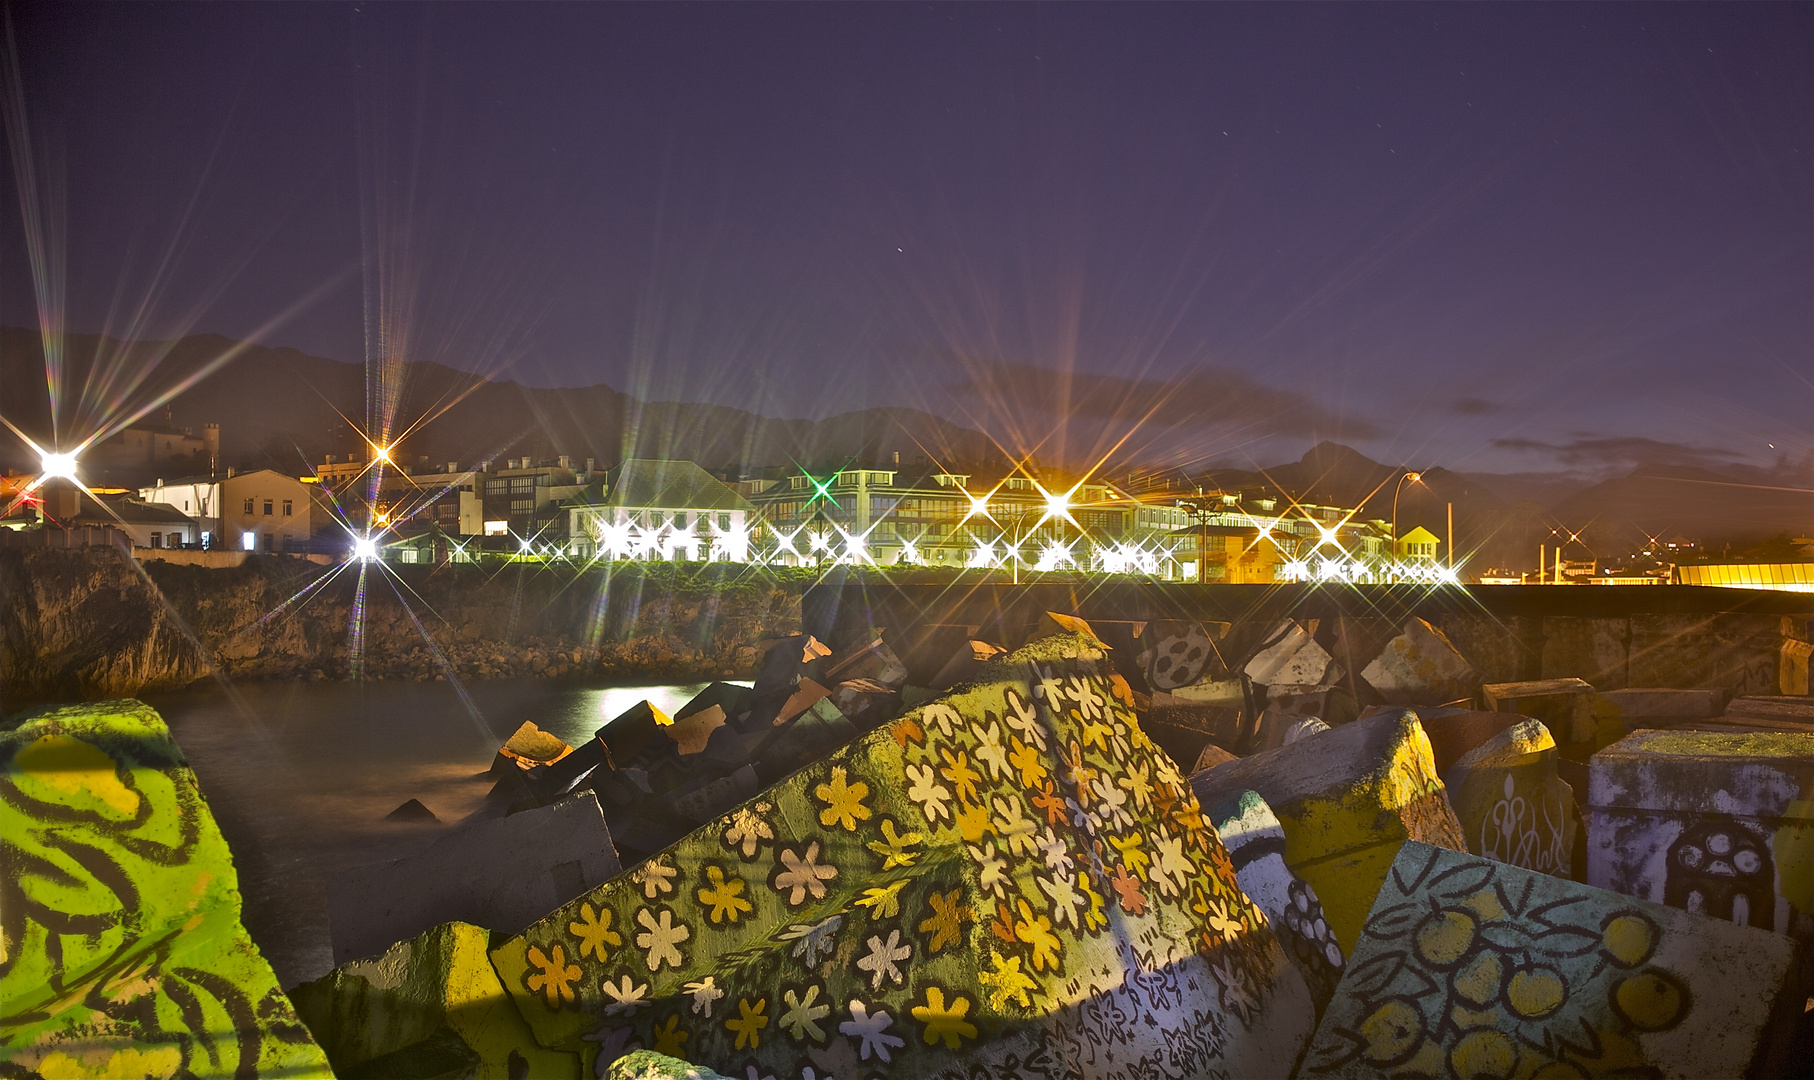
column 1497, row 238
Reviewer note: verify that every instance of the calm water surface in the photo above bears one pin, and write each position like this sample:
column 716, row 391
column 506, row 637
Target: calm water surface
column 301, row 775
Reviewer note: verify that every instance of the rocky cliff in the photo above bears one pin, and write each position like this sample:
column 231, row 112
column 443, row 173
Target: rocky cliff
column 89, row 623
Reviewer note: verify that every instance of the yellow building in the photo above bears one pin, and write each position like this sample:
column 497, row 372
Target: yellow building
column 1419, row 543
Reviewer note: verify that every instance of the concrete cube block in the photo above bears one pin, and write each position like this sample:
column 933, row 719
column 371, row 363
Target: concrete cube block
column 1290, row 657
column 1566, row 706
column 1472, row 968
column 966, row 663
column 1656, row 706
column 1179, row 654
column 1453, row 732
column 1421, row 667
column 1720, row 823
column 1512, row 806
column 499, row 873
column 1347, row 800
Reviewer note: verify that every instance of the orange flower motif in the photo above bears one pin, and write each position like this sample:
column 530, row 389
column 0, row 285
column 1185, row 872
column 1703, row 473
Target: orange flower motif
column 556, row 978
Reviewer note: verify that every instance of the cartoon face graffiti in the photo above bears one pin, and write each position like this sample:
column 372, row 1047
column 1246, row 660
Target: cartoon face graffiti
column 1720, row 868
column 1180, row 659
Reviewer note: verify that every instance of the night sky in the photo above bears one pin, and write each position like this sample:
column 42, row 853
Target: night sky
column 1496, row 238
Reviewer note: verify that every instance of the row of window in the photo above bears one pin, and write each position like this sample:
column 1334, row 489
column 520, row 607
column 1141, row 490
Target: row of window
column 252, row 507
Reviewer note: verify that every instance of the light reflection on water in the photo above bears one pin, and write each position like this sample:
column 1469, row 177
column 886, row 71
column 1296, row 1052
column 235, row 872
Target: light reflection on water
column 301, row 775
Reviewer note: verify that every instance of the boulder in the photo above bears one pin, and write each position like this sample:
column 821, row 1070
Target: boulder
column 866, row 703
column 1421, row 667
column 527, row 747
column 1512, row 806
column 1256, row 847
column 1566, row 706
column 122, row 952
column 1181, row 654
column 1053, row 624
column 1347, row 799
column 500, row 873
column 1008, row 880
column 967, row 663
column 429, row 1006
column 871, row 661
column 1472, row 968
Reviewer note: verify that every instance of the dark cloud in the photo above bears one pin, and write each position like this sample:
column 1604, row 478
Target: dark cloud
column 1201, row 397
column 1473, row 406
column 1624, row 450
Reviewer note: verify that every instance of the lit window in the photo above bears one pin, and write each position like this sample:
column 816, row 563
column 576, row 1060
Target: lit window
column 496, row 528
column 248, row 541
column 249, row 506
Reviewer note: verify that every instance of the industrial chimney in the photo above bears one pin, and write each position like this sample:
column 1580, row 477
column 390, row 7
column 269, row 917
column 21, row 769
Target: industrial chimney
column 211, row 445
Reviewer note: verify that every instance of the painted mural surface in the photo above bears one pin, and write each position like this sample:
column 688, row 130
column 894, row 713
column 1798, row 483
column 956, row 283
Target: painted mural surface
column 121, row 949
column 1010, row 881
column 1470, row 968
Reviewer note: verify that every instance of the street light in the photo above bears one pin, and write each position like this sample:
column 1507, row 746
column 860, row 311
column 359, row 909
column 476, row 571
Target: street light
column 1415, row 478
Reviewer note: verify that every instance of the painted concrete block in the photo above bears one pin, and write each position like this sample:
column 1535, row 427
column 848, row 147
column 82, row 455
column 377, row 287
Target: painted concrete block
column 1421, row 667
column 527, row 747
column 967, row 663
column 1512, row 806
column 1183, row 730
column 1740, row 654
column 1453, row 732
column 1713, row 822
column 1291, row 659
column 1011, row 880
column 1566, row 706
column 1347, row 799
column 1635, row 705
column 502, row 874
column 872, row 660
column 1472, row 968
column 430, row 1006
column 1179, row 654
column 121, row 947
column 1256, row 846
column 1054, row 624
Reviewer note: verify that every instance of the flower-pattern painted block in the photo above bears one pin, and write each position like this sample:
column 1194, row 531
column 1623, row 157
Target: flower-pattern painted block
column 1011, row 878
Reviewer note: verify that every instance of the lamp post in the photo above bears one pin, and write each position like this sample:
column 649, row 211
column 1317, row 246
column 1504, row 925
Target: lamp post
column 1414, row 478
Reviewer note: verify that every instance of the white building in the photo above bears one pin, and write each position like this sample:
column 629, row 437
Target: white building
column 655, row 509
column 262, row 510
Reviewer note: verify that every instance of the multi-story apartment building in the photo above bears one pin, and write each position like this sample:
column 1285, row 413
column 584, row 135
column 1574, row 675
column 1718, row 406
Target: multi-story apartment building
column 649, row 508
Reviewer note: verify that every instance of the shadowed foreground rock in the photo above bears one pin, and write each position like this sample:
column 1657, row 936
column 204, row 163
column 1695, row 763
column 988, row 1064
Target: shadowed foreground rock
column 122, row 951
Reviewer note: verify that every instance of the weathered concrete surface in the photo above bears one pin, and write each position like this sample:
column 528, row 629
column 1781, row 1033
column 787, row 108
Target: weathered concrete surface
column 1454, row 732
column 1512, row 806
column 429, row 1006
column 1256, row 846
column 1292, row 659
column 1635, row 705
column 501, row 874
column 995, row 883
column 1471, row 968
column 1421, row 667
column 1565, row 705
column 1742, row 654
column 1708, row 821
column 1347, row 798
column 121, row 949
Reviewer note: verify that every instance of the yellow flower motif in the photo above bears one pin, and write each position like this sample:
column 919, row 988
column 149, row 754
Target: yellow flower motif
column 883, row 902
column 843, row 802
column 1036, row 930
column 749, row 1023
column 893, row 846
column 1026, row 762
column 1133, row 853
column 948, row 911
column 973, row 822
column 1007, row 982
column 963, row 778
column 556, row 978
column 594, row 931
column 725, row 896
column 1097, row 917
column 670, row 1038
column 944, row 1021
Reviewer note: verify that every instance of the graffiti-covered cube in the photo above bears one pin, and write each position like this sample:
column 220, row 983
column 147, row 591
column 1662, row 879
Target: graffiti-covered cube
column 1472, row 968
column 1720, row 823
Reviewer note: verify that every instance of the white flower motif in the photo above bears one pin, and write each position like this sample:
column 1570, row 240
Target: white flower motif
column 1016, row 831
column 815, row 939
column 1166, row 771
column 868, row 1028
column 882, row 956
column 661, row 938
column 1112, row 801
column 1051, row 688
column 655, row 877
column 928, row 792
column 626, row 996
column 991, row 753
column 1235, row 997
column 804, row 874
column 1025, row 720
column 1065, row 900
column 943, row 715
column 703, row 993
column 747, row 831
column 994, row 876
column 1089, row 702
column 756, row 1074
column 1057, row 855
column 1083, row 819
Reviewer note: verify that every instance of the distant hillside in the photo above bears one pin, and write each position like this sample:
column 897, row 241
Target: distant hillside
column 281, row 407
column 1737, row 505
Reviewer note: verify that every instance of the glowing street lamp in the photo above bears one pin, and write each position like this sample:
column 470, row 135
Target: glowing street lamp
column 365, row 549
column 56, row 466
column 1415, row 478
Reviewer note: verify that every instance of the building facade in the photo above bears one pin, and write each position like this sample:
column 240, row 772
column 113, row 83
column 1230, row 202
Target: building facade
column 653, row 509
